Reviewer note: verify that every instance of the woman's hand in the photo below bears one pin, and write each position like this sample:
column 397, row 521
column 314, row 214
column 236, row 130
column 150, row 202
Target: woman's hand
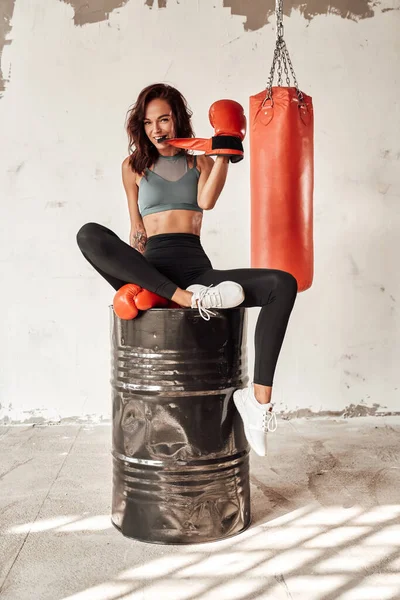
column 138, row 238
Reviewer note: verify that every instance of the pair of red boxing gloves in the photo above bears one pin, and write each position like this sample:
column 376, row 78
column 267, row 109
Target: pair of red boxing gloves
column 229, row 122
column 131, row 298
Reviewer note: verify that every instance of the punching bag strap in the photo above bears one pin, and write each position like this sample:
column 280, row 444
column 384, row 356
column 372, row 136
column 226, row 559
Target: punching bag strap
column 281, row 59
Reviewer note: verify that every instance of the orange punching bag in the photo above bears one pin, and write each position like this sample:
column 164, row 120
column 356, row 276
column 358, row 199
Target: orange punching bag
column 282, row 172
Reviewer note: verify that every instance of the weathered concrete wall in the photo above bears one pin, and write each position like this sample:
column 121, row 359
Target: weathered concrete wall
column 69, row 71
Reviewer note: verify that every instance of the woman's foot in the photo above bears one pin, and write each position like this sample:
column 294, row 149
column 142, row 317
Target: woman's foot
column 262, row 393
column 183, row 298
column 227, row 294
column 258, row 419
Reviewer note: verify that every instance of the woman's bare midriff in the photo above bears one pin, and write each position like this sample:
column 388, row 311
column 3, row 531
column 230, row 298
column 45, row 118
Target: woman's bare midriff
column 173, row 221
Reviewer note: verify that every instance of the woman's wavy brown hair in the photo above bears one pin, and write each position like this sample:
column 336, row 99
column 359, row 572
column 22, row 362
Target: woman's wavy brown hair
column 142, row 152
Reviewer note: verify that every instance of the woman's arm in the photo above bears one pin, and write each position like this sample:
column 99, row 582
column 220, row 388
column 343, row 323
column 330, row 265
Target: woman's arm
column 212, row 180
column 137, row 235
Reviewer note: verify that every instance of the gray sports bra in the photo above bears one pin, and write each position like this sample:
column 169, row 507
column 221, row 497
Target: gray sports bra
column 169, row 186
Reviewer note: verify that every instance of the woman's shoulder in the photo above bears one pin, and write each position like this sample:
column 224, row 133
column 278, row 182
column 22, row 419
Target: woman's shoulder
column 128, row 172
column 126, row 165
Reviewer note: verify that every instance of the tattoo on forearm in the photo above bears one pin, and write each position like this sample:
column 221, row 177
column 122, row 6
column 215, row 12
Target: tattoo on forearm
column 138, row 240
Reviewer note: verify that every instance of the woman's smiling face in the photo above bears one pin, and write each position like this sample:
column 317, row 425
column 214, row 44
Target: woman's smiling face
column 159, row 123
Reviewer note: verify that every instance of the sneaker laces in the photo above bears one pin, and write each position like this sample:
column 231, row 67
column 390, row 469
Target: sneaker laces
column 204, row 299
column 270, row 422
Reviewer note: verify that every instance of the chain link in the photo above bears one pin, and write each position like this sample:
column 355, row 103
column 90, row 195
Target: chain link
column 281, row 56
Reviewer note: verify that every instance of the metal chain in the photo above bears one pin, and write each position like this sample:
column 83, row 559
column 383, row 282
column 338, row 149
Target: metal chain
column 285, row 66
column 281, row 55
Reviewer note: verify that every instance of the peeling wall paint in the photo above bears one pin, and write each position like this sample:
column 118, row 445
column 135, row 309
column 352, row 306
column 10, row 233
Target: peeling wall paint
column 259, row 12
column 93, row 11
column 6, row 13
column 161, row 3
column 14, row 416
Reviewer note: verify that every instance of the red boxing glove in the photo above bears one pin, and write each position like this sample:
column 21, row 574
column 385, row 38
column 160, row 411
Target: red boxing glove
column 131, row 298
column 124, row 301
column 145, row 300
column 227, row 117
column 229, row 121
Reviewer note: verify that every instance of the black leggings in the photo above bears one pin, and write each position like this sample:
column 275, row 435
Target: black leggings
column 175, row 260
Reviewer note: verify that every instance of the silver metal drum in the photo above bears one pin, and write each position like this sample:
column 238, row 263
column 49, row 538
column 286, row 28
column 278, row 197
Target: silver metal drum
column 180, row 457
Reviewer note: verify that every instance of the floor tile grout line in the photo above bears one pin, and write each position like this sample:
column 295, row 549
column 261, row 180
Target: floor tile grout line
column 38, row 512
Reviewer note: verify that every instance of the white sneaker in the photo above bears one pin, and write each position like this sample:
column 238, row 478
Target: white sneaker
column 224, row 295
column 258, row 419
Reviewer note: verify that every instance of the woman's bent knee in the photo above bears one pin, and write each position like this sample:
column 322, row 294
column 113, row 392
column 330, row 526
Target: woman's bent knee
column 87, row 233
column 291, row 283
column 287, row 284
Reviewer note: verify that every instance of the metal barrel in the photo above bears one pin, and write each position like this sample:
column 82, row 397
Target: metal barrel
column 180, row 457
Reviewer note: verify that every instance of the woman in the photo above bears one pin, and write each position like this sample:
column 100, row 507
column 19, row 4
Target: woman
column 167, row 191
